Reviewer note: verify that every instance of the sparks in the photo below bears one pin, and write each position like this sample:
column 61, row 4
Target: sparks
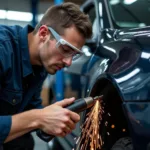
column 90, row 129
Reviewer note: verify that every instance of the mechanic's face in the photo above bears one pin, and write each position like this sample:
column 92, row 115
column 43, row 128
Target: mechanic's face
column 50, row 55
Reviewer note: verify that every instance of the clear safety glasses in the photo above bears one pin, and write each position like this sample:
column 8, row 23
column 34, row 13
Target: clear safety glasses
column 64, row 47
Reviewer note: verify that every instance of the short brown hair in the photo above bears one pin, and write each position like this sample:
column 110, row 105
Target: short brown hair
column 65, row 15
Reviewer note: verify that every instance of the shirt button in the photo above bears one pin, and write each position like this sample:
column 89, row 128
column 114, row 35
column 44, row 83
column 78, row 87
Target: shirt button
column 14, row 101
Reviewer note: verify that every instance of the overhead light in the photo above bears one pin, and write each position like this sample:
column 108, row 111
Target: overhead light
column 114, row 2
column 3, row 14
column 18, row 16
column 21, row 16
column 40, row 17
column 129, row 2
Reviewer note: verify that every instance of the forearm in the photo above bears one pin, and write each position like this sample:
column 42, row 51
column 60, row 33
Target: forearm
column 53, row 120
column 23, row 123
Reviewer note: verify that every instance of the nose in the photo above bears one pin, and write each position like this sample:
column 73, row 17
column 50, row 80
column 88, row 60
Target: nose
column 67, row 61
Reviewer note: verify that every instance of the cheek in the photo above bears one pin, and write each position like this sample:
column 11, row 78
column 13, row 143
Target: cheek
column 50, row 54
column 53, row 57
column 56, row 54
column 49, row 51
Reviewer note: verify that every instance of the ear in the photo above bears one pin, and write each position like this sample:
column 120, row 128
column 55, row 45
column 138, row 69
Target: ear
column 43, row 33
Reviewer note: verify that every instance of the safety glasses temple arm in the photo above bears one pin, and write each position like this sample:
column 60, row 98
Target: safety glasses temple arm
column 55, row 34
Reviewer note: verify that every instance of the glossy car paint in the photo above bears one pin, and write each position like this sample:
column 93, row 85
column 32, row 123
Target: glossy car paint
column 127, row 67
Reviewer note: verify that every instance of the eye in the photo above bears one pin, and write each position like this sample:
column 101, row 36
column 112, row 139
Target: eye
column 67, row 50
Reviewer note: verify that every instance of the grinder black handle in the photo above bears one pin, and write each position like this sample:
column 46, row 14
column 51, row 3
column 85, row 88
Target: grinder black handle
column 77, row 106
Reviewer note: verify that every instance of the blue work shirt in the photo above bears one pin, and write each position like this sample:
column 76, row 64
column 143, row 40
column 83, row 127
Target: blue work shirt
column 20, row 82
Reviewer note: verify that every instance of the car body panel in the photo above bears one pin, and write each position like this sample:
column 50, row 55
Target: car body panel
column 138, row 115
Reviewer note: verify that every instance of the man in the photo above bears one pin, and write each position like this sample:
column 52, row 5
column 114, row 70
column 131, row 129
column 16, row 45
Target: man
column 26, row 55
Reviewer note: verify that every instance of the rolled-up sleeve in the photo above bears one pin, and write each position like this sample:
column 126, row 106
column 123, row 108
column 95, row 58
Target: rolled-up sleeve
column 5, row 126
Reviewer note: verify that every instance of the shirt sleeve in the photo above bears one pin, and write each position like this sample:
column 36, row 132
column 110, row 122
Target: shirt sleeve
column 5, row 62
column 5, row 121
column 5, row 126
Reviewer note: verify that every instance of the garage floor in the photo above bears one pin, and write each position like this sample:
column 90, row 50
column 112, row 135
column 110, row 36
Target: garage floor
column 39, row 144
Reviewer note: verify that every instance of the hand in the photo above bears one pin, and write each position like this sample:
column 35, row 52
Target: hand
column 57, row 120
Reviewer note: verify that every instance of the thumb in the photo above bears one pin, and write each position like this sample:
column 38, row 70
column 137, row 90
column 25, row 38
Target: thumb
column 66, row 102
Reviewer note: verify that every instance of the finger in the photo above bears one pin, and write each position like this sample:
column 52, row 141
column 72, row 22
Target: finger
column 74, row 117
column 70, row 124
column 67, row 130
column 66, row 102
column 63, row 134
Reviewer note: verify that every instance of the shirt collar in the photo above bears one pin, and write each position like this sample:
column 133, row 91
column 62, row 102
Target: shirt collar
column 26, row 65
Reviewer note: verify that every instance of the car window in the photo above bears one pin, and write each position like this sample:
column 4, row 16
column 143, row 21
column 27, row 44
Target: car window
column 92, row 16
column 130, row 13
column 94, row 29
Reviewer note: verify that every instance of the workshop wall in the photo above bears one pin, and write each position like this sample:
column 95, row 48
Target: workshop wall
column 23, row 6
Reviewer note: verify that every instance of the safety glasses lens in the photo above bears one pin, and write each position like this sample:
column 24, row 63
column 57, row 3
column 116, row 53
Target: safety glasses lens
column 67, row 51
